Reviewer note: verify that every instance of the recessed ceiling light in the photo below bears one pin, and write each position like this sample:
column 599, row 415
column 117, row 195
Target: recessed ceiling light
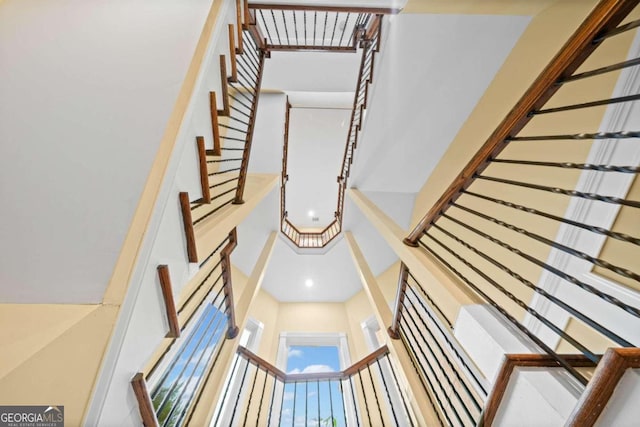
column 308, row 283
column 311, row 213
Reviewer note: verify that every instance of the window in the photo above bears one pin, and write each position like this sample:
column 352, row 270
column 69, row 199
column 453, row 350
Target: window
column 314, row 403
column 174, row 390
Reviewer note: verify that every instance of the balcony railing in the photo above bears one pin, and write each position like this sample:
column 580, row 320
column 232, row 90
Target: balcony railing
column 367, row 35
column 367, row 394
column 313, row 27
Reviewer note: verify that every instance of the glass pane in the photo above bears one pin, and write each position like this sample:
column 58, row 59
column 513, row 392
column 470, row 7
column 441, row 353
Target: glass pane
column 174, row 392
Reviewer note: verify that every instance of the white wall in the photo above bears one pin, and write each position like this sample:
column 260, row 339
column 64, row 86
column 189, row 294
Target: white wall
column 142, row 324
column 86, row 90
column 316, row 147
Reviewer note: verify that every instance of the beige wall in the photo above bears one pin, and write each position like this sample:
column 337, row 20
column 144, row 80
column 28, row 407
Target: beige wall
column 358, row 310
column 591, row 339
column 388, row 282
column 484, row 7
column 311, row 317
column 265, row 310
column 548, row 30
column 51, row 354
column 621, row 253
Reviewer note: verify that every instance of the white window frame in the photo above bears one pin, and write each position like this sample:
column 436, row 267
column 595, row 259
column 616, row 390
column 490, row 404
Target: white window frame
column 254, row 329
column 330, row 339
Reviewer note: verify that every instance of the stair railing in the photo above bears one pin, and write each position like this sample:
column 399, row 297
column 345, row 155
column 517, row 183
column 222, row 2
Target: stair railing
column 301, row 27
column 367, row 393
column 457, row 390
column 496, row 223
column 223, row 169
column 367, row 35
column 205, row 319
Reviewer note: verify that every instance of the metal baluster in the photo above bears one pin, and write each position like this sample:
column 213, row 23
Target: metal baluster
column 375, row 394
column 407, row 313
column 364, row 395
column 248, row 405
column 226, row 389
column 409, row 346
column 235, row 406
column 588, row 196
column 502, row 311
column 264, row 386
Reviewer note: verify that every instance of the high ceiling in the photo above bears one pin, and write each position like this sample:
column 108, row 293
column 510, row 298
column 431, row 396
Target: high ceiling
column 431, row 72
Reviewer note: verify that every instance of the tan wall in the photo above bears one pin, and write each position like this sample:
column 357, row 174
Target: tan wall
column 265, row 309
column 311, row 317
column 624, row 254
column 51, row 354
column 484, row 7
column 358, row 310
column 388, row 281
column 591, row 339
column 239, row 280
column 547, row 31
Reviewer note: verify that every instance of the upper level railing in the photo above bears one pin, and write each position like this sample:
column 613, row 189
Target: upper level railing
column 528, row 224
column 367, row 393
column 312, row 27
column 367, row 35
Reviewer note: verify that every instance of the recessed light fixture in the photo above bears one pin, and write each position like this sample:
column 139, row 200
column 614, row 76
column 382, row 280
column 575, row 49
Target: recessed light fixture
column 311, row 213
column 308, row 283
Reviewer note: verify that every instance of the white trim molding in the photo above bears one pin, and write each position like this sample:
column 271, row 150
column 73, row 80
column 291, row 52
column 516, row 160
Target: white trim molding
column 618, row 117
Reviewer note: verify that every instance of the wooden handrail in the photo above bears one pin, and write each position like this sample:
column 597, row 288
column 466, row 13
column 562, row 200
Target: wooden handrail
column 394, row 329
column 187, row 222
column 510, row 362
column 290, row 378
column 610, row 370
column 232, row 54
column 204, row 176
column 373, row 27
column 225, row 264
column 225, row 87
column 260, row 362
column 145, row 406
column 213, row 109
column 239, row 22
column 169, row 303
column 346, row 9
column 605, row 16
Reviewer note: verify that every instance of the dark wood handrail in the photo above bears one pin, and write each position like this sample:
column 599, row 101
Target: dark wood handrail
column 202, row 164
column 169, row 303
column 394, row 329
column 605, row 16
column 346, row 9
column 610, row 370
column 239, row 24
column 145, row 406
column 225, row 264
column 226, row 109
column 510, row 362
column 187, row 222
column 213, row 110
column 232, row 54
column 290, row 378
